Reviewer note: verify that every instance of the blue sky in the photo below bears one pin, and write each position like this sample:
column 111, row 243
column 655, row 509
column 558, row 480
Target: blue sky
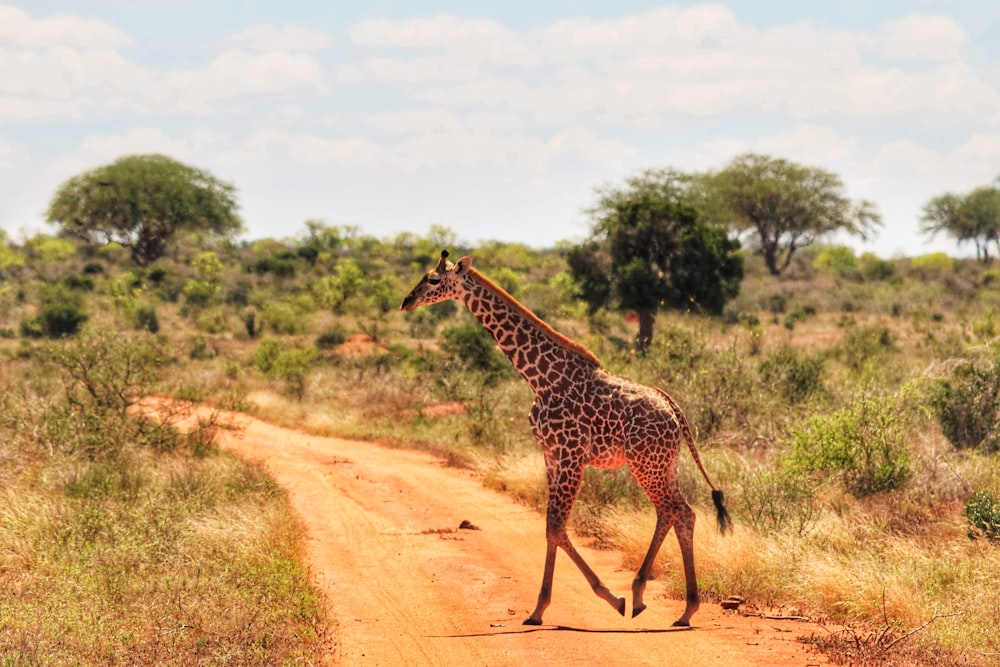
column 497, row 120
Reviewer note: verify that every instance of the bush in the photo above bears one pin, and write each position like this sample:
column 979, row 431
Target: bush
column 475, row 348
column 839, row 260
column 146, row 319
column 57, row 320
column 983, row 513
column 199, row 294
column 863, row 444
column 793, row 376
column 82, row 283
column 289, row 365
column 282, row 318
column 875, row 269
column 200, row 348
column 932, row 265
column 965, row 404
column 331, row 338
column 102, row 372
column 864, row 343
column 267, row 352
column 773, row 500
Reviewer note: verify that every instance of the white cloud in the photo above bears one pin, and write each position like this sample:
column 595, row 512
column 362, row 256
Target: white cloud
column 428, row 33
column 414, row 121
column 236, row 73
column 907, row 156
column 268, row 37
column 18, row 28
column 7, row 159
column 923, row 37
column 812, row 144
column 69, row 67
column 648, row 68
column 107, row 147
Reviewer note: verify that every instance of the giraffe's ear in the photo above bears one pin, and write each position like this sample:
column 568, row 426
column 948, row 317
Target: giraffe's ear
column 463, row 264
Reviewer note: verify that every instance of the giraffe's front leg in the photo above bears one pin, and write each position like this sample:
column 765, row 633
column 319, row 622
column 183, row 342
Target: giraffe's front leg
column 563, row 485
column 545, row 594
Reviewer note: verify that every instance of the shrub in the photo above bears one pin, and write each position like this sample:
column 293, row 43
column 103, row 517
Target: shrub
column 794, row 376
column 965, row 404
column 57, row 320
column 83, row 283
column 212, row 320
column 146, row 319
column 839, row 260
column 199, row 294
column 863, row 444
column 200, row 348
column 251, row 323
column 475, row 348
column 864, row 343
column 267, row 352
column 773, row 500
column 932, row 265
column 875, row 268
column 983, row 514
column 282, row 318
column 331, row 338
column 102, row 372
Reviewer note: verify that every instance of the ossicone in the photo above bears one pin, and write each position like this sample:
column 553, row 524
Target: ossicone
column 443, row 262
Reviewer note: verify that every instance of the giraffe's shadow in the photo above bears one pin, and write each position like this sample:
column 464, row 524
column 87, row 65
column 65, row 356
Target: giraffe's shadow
column 569, row 628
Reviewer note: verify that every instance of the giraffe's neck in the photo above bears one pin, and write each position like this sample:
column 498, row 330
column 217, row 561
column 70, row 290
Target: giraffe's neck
column 543, row 357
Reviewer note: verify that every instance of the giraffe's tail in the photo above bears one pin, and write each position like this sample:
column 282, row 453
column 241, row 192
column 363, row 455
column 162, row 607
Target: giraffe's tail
column 721, row 513
column 718, row 497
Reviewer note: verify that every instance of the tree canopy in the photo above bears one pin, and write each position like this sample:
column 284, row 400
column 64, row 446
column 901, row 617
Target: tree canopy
column 786, row 205
column 142, row 202
column 649, row 250
column 974, row 216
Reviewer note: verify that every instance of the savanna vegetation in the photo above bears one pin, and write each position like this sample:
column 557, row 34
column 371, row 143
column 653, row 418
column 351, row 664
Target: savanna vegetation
column 848, row 405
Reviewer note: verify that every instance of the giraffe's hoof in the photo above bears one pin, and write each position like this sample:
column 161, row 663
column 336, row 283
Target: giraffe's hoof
column 532, row 621
column 638, row 610
column 681, row 623
column 620, row 606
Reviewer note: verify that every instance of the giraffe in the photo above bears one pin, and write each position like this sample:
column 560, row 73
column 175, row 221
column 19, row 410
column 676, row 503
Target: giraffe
column 584, row 415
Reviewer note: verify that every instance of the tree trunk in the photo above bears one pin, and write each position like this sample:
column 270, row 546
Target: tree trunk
column 646, row 320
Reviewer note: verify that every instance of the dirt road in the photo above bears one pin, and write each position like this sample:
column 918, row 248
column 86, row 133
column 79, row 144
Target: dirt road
column 406, row 586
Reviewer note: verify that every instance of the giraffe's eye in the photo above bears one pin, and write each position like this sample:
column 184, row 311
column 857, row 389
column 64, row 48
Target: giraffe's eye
column 434, row 279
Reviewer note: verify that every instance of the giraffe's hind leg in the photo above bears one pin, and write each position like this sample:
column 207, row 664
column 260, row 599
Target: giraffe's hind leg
column 684, row 528
column 663, row 524
column 659, row 483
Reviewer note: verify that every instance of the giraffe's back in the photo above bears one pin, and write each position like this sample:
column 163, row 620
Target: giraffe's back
column 619, row 420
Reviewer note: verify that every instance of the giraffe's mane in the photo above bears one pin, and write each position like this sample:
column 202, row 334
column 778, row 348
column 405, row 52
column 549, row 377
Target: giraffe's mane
column 517, row 306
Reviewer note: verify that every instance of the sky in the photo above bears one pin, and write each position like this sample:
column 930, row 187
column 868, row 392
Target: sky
column 497, row 120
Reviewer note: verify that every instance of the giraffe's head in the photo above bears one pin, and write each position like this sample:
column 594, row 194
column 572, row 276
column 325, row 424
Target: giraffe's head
column 442, row 282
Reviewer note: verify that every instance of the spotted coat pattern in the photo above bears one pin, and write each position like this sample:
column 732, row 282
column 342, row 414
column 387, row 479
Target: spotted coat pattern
column 583, row 415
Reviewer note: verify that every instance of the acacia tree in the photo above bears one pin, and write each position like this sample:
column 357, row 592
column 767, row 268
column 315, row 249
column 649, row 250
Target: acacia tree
column 787, row 206
column 974, row 216
column 649, row 251
column 142, row 202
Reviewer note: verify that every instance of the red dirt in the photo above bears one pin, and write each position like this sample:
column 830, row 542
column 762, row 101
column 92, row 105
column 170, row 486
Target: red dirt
column 406, row 586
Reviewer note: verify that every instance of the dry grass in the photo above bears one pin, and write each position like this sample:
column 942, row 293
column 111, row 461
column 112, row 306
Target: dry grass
column 122, row 555
column 884, row 565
